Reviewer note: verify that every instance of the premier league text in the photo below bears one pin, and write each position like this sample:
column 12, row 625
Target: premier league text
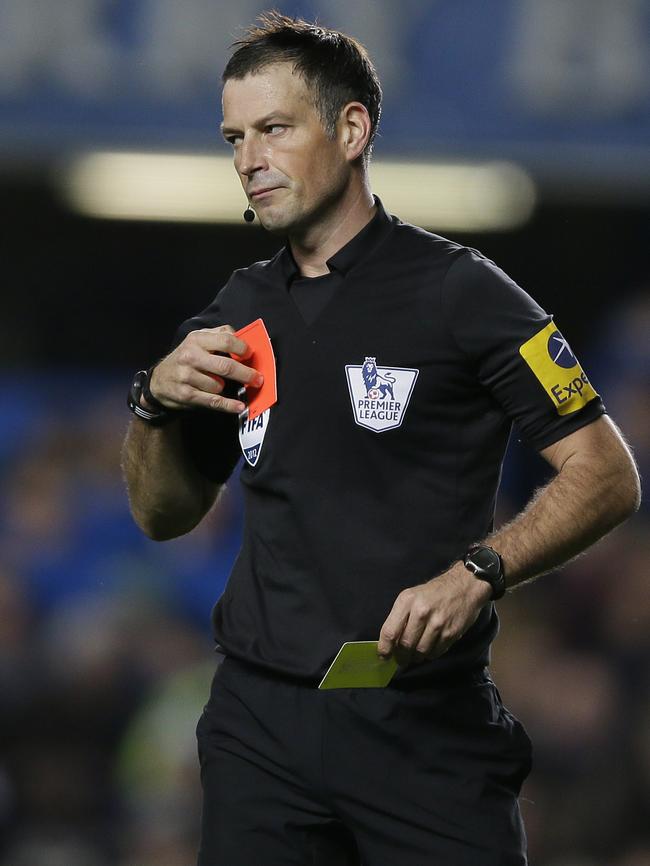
column 371, row 410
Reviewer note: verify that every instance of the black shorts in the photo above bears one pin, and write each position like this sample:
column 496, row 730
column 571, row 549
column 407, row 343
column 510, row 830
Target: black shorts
column 294, row 776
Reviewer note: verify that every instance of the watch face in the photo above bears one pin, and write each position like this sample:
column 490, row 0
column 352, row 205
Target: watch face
column 486, row 560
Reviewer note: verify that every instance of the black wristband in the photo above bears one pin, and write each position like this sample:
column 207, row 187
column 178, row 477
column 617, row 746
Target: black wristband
column 148, row 396
column 155, row 418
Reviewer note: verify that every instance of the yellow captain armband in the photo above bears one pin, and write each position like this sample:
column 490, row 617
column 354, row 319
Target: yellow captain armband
column 555, row 366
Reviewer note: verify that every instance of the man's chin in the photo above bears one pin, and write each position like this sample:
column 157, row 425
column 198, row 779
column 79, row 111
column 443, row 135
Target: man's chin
column 274, row 227
column 275, row 222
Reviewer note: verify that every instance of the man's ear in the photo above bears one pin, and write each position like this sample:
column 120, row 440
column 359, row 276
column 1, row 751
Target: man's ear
column 355, row 129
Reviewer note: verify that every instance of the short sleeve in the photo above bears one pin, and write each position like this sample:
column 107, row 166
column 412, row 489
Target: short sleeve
column 517, row 351
column 210, row 437
column 210, row 317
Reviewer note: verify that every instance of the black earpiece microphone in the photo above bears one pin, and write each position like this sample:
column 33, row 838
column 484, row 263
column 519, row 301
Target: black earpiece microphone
column 249, row 214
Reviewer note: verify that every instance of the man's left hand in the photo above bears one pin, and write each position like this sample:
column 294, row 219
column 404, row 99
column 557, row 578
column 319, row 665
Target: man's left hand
column 426, row 620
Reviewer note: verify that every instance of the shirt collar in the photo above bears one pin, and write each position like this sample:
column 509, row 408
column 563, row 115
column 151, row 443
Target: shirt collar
column 355, row 251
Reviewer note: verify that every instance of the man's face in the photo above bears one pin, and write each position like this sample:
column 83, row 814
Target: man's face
column 291, row 171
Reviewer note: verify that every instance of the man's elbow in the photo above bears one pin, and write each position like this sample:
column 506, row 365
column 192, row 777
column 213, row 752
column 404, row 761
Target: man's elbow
column 162, row 529
column 634, row 495
column 162, row 519
column 164, row 533
column 626, row 491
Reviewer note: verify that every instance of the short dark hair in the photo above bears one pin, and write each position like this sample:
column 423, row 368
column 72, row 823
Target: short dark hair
column 335, row 65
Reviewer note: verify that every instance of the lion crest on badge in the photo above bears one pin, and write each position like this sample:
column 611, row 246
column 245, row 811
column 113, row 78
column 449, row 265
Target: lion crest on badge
column 381, row 386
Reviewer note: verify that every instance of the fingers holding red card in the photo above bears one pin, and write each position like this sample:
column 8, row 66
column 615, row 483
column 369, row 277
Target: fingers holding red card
column 262, row 359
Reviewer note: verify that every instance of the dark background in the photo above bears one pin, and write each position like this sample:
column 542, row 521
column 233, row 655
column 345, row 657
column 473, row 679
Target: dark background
column 579, row 261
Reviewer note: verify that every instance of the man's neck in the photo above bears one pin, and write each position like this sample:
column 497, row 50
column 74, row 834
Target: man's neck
column 312, row 250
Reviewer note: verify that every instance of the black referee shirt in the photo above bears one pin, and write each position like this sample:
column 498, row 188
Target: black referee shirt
column 398, row 384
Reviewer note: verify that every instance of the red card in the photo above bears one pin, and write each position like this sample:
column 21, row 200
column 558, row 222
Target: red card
column 261, row 359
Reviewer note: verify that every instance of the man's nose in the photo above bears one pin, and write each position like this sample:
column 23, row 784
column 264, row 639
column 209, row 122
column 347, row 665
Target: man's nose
column 251, row 157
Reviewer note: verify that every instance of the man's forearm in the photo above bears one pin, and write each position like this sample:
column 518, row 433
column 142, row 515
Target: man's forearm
column 596, row 488
column 167, row 494
column 582, row 503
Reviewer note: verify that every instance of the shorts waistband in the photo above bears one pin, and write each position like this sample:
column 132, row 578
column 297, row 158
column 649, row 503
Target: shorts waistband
column 444, row 679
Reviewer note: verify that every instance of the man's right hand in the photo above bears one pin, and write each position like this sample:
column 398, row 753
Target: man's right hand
column 194, row 374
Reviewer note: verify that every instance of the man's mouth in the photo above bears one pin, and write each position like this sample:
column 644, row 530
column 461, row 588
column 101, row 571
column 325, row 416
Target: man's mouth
column 258, row 193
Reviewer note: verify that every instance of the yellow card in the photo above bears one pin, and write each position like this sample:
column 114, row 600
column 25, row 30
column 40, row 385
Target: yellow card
column 357, row 666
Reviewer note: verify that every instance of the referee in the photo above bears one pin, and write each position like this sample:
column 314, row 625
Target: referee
column 403, row 360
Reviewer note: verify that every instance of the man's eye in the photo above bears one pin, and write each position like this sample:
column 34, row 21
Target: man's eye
column 275, row 128
column 234, row 139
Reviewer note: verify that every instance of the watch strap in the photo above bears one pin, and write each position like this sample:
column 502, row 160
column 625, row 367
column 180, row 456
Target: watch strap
column 148, row 396
column 159, row 414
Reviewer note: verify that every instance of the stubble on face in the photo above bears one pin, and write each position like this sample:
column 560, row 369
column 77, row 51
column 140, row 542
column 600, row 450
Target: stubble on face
column 282, row 146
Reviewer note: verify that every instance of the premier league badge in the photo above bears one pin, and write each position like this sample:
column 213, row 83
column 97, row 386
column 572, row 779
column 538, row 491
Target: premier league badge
column 379, row 395
column 251, row 435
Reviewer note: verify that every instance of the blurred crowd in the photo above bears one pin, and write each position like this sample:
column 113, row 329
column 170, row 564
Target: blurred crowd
column 106, row 652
